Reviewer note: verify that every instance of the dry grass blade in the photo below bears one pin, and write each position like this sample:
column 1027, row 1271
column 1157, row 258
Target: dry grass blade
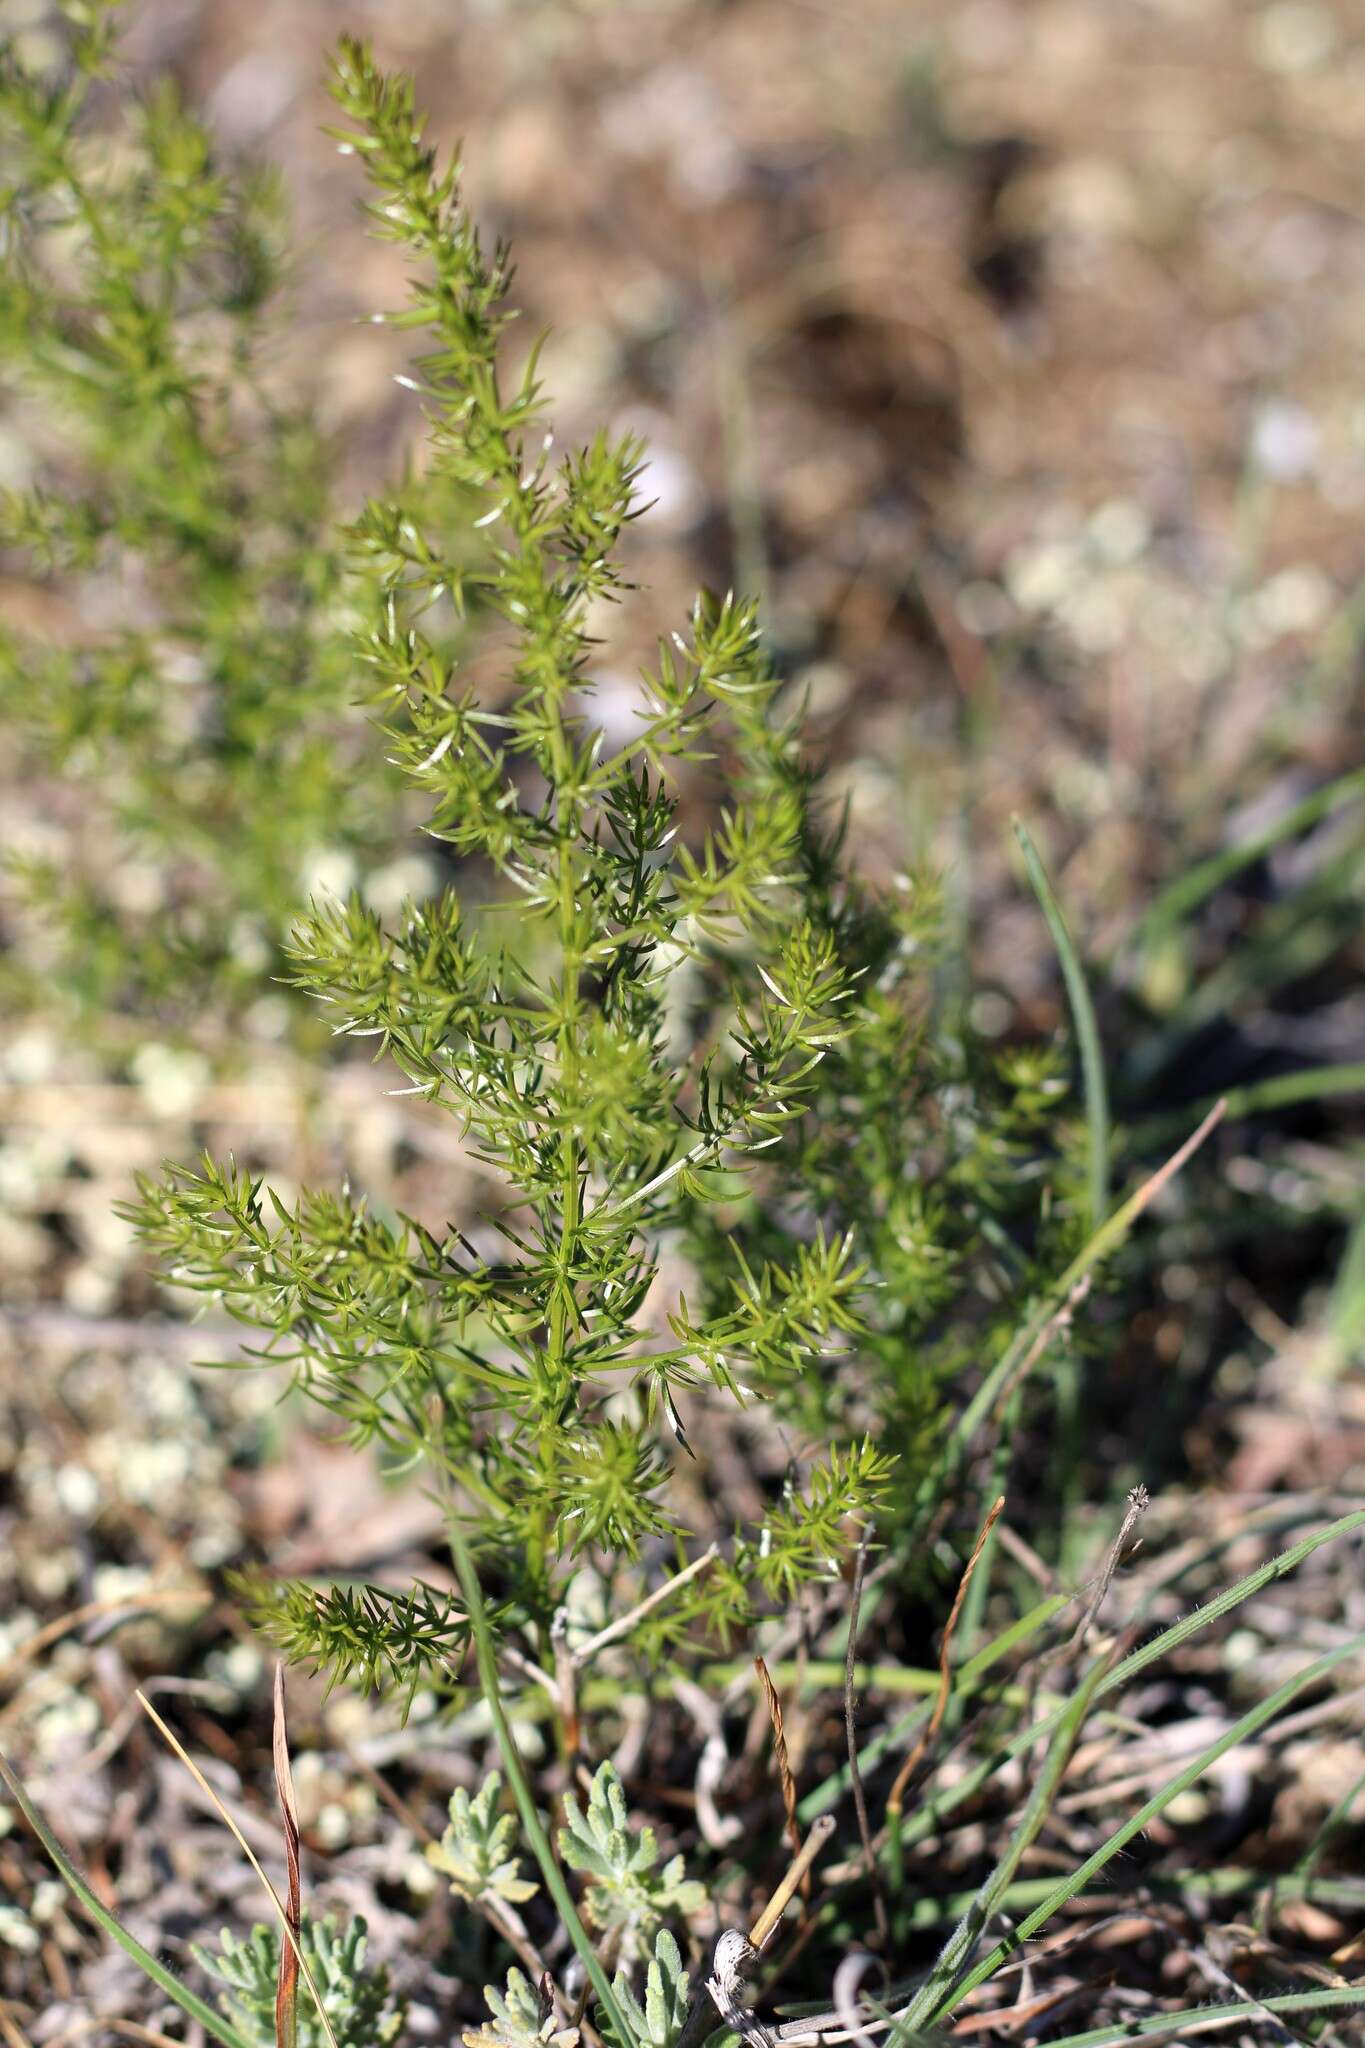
column 1139, row 1500
column 624, row 1623
column 761, row 1933
column 173, row 1741
column 129, row 1605
column 896, row 1796
column 132, row 2031
column 1060, row 1320
column 287, row 1984
column 211, row 2024
column 784, row 1769
column 10, row 2030
column 1029, row 1345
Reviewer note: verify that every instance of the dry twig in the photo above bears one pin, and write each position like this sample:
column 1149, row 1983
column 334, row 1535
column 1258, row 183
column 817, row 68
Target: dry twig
column 784, row 1769
column 1139, row 1500
column 896, row 1795
column 287, row 1980
column 174, row 1742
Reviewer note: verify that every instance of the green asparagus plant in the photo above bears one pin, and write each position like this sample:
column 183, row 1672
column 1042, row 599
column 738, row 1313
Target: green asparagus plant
column 662, row 1048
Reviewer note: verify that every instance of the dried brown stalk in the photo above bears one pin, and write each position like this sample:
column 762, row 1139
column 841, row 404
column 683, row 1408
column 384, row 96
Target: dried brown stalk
column 174, row 1743
column 945, row 1675
column 1139, row 1500
column 883, row 1929
column 287, row 1979
column 784, row 1769
column 764, row 1927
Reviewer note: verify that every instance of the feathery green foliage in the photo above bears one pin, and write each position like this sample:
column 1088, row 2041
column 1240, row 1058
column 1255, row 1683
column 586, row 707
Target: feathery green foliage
column 542, row 1382
column 715, row 1052
column 715, row 1049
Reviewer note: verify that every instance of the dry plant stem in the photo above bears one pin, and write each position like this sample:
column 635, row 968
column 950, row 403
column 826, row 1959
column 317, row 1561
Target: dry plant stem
column 1031, row 1342
column 883, row 1930
column 1024, row 1554
column 784, row 1769
column 287, row 1982
column 1139, row 1500
column 763, row 1929
column 1225, row 1981
column 508, row 1923
column 132, row 2031
column 10, row 2030
column 202, row 1782
column 1350, row 1950
column 1012, row 2017
column 698, row 2023
column 529, row 1669
column 1059, row 1320
column 626, row 1622
column 896, row 1796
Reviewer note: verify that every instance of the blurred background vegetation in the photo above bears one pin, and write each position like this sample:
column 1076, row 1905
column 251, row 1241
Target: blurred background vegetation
column 1010, row 353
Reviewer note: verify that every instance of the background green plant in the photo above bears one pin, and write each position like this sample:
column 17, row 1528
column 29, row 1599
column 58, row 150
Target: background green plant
column 204, row 718
column 359, row 2004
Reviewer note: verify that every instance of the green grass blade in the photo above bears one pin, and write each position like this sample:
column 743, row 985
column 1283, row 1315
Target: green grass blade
column 1346, row 1314
column 929, row 1816
column 486, row 1656
column 1191, row 889
column 926, row 1821
column 936, row 1994
column 1200, row 2019
column 1309, row 1084
column 1087, row 1030
column 1030, row 1341
column 1062, row 1893
column 965, row 1679
column 211, row 2021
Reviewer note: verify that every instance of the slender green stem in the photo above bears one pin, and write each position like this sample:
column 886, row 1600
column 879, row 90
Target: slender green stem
column 936, row 1993
column 486, row 1656
column 1087, row 1029
column 1281, row 1091
column 189, row 2002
